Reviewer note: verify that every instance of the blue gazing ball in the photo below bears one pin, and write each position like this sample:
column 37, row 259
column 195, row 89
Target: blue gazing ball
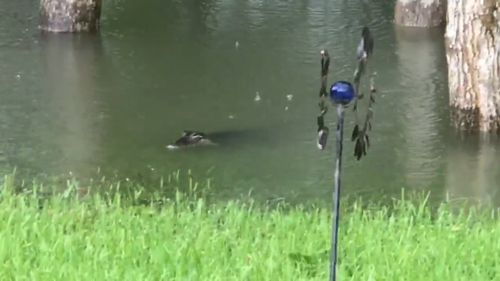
column 342, row 92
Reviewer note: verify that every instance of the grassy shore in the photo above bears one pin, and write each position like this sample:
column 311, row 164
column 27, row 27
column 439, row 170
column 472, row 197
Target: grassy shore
column 98, row 237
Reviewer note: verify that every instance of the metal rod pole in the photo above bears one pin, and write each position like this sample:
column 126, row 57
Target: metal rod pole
column 336, row 193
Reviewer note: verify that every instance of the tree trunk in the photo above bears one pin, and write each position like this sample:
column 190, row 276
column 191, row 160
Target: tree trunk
column 473, row 54
column 70, row 15
column 420, row 13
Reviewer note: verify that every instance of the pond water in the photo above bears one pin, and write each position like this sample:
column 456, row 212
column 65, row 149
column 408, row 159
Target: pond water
column 116, row 99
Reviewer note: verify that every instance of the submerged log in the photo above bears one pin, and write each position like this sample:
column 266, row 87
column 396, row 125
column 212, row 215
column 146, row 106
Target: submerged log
column 70, row 15
column 473, row 54
column 420, row 13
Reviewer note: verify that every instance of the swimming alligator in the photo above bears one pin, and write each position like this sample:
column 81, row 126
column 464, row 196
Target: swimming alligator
column 191, row 138
column 223, row 138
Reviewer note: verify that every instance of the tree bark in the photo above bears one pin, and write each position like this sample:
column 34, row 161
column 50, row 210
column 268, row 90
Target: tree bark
column 473, row 54
column 70, row 15
column 420, row 13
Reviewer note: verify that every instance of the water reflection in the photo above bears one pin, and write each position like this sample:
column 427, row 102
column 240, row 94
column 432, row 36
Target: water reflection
column 71, row 95
column 472, row 169
column 420, row 60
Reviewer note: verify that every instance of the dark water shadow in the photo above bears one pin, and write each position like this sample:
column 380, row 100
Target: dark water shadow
column 241, row 137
